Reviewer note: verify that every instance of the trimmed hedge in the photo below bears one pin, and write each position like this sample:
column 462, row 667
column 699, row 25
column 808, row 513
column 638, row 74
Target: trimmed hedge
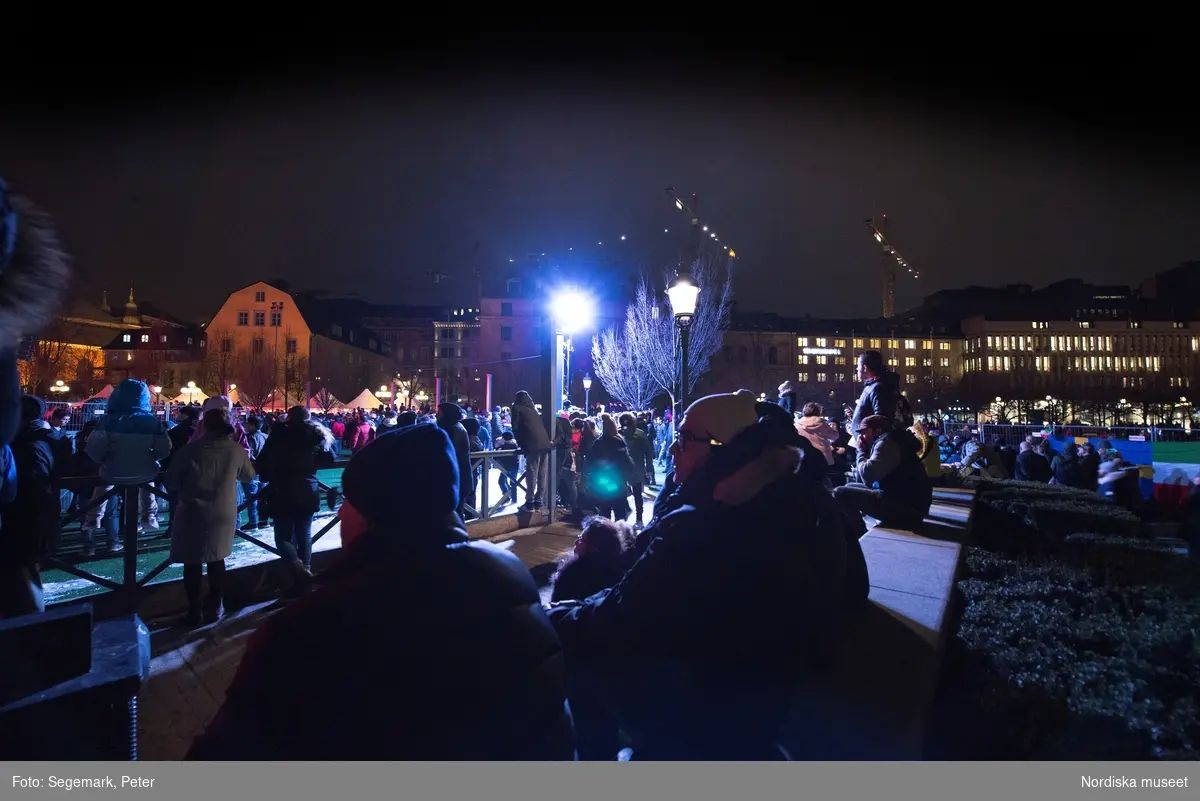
column 1084, row 646
column 1020, row 513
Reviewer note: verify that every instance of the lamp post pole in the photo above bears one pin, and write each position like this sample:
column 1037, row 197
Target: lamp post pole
column 683, row 293
column 587, row 393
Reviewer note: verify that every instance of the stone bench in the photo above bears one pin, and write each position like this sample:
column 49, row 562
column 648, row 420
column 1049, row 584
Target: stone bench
column 876, row 704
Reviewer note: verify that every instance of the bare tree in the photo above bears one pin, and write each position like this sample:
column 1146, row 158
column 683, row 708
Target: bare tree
column 650, row 329
column 220, row 361
column 45, row 359
column 622, row 371
column 256, row 376
column 295, row 378
column 325, row 400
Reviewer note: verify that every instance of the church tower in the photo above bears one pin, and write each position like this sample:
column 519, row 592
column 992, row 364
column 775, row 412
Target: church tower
column 132, row 317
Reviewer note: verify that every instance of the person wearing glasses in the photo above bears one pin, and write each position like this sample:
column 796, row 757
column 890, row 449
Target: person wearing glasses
column 745, row 580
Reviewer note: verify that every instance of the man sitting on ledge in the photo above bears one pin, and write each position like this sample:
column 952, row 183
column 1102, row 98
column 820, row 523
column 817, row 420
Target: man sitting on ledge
column 892, row 486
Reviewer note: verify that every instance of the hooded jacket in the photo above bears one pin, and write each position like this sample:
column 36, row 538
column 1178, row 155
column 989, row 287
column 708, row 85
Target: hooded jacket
column 131, row 440
column 527, row 425
column 821, row 433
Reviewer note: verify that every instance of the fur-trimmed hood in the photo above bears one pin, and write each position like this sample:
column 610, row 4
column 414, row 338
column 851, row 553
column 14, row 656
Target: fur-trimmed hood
column 35, row 281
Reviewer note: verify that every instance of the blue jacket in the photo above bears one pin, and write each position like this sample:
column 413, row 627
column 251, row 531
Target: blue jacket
column 130, row 442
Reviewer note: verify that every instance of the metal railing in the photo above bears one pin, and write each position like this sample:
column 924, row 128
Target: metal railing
column 133, row 545
column 482, row 464
column 1014, row 433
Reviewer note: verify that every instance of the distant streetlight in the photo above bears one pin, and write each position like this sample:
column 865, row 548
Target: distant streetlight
column 683, row 293
column 571, row 311
column 587, row 391
column 59, row 386
column 190, row 391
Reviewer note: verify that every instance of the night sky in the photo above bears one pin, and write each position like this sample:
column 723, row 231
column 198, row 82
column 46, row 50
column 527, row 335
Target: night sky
column 368, row 181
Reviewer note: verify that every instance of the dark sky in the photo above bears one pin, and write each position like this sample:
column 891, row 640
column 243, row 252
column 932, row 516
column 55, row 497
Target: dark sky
column 365, row 182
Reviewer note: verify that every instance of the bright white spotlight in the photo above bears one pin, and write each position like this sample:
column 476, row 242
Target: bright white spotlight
column 572, row 310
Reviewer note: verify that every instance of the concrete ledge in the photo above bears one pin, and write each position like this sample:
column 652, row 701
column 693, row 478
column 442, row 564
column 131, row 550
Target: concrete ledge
column 876, row 703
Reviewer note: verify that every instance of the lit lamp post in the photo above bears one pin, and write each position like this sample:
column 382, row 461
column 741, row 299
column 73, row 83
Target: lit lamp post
column 587, row 392
column 570, row 311
column 60, row 388
column 382, row 393
column 190, row 391
column 683, row 293
column 421, row 397
column 157, row 390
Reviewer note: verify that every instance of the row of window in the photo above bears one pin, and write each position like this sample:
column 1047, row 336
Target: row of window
column 1058, row 342
column 841, row 378
column 162, row 339
column 1101, row 312
column 260, row 318
column 258, row 345
column 1044, row 363
column 863, row 343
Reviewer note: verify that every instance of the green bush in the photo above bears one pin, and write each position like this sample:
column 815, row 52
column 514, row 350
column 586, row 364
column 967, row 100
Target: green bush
column 1087, row 650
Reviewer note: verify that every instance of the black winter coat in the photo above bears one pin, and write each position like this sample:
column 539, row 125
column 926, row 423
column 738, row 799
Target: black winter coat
column 383, row 661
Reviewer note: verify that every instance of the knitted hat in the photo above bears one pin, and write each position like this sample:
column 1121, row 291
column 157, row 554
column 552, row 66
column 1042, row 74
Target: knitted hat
column 404, row 473
column 723, row 416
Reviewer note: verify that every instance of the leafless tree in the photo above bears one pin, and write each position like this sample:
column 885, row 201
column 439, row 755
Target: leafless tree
column 325, row 400
column 295, row 384
column 220, row 361
column 650, row 329
column 256, row 376
column 622, row 371
column 45, row 359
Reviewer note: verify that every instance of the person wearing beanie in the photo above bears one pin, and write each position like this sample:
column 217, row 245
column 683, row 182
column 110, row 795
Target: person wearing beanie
column 33, row 518
column 405, row 617
column 746, row 577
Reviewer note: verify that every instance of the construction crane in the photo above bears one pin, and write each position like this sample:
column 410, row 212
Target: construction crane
column 890, row 259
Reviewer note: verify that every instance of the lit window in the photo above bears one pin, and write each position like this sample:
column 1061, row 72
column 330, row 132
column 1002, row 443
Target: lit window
column 145, row 337
column 126, row 338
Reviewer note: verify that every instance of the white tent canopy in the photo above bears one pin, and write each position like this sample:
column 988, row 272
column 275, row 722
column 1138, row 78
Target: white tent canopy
column 187, row 397
column 365, row 400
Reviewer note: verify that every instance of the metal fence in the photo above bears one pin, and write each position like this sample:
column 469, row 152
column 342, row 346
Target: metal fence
column 136, row 543
column 1014, row 434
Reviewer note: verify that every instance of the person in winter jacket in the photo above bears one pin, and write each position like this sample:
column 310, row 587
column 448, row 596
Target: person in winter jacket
column 449, row 419
column 1032, row 466
column 203, row 482
column 609, row 471
column 363, row 433
column 534, row 442
column 128, row 445
column 787, row 397
column 639, row 449
column 288, row 463
column 453, row 604
column 892, row 486
column 693, row 653
column 820, row 432
column 880, row 394
column 223, row 402
column 33, row 518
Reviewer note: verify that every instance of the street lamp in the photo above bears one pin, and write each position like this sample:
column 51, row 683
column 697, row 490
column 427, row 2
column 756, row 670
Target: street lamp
column 587, row 391
column 60, row 387
column 382, row 393
column 190, row 391
column 683, row 292
column 157, row 390
column 571, row 311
